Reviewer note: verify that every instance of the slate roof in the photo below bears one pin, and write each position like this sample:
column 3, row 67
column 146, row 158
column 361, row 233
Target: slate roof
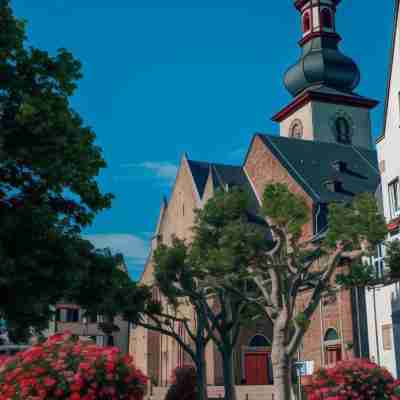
column 223, row 176
column 310, row 163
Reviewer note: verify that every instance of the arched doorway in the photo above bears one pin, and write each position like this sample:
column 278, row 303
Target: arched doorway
column 257, row 361
column 332, row 346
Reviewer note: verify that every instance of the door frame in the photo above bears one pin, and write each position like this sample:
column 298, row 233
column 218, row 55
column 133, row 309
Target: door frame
column 253, row 350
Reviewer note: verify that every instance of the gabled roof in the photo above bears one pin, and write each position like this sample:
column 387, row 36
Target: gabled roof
column 223, row 177
column 391, row 62
column 311, row 164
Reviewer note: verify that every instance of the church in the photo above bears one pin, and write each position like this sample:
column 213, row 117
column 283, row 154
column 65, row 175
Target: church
column 324, row 153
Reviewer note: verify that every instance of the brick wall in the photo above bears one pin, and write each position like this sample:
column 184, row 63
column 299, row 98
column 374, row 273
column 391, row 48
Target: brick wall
column 263, row 168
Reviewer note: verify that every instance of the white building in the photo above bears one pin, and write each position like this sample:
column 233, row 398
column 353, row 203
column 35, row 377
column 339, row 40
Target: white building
column 383, row 303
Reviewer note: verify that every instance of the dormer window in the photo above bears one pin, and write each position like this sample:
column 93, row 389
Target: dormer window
column 339, row 166
column 306, row 23
column 326, row 19
column 334, row 186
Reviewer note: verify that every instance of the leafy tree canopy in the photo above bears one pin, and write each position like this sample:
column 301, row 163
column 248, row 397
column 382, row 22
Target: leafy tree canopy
column 48, row 167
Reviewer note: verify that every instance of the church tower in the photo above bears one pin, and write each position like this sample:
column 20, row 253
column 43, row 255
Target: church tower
column 325, row 107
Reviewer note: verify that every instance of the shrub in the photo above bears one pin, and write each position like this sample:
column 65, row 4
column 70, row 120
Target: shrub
column 353, row 380
column 184, row 384
column 66, row 369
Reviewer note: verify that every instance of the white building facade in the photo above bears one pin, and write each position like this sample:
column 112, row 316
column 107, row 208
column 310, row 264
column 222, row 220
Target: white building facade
column 383, row 302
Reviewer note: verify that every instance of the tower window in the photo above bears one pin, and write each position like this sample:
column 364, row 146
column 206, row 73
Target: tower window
column 306, row 22
column 342, row 130
column 296, row 129
column 326, row 19
column 394, row 198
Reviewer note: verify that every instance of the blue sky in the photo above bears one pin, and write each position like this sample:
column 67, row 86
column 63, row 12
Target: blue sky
column 166, row 77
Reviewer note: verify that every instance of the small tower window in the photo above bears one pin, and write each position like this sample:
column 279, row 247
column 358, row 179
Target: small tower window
column 306, row 22
column 296, row 129
column 342, row 130
column 326, row 19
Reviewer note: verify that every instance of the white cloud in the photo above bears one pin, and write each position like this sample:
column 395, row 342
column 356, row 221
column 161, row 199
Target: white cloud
column 134, row 248
column 164, row 171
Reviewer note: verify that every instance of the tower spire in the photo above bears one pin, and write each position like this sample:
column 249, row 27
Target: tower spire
column 321, row 62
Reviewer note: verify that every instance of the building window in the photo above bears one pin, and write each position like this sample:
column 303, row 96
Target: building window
column 326, row 19
column 67, row 315
column 387, row 337
column 306, row 22
column 100, row 340
column 378, row 261
column 296, row 129
column 342, row 130
column 333, row 347
column 110, row 340
column 394, row 198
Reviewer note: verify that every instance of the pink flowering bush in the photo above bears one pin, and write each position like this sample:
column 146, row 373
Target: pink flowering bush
column 353, row 380
column 66, row 369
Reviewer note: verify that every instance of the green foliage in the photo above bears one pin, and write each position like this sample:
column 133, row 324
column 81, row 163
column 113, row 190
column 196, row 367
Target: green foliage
column 359, row 275
column 392, row 259
column 48, row 167
column 284, row 208
column 227, row 238
column 302, row 320
column 355, row 222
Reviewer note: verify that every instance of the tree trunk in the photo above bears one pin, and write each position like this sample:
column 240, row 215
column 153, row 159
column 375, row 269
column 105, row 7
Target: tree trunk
column 201, row 373
column 229, row 379
column 282, row 366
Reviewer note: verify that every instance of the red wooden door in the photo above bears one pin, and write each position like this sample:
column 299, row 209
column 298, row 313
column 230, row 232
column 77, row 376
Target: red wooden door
column 256, row 367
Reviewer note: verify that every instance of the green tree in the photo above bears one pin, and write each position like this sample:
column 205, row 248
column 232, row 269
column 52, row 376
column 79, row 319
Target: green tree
column 48, row 168
column 205, row 281
column 164, row 307
column 294, row 265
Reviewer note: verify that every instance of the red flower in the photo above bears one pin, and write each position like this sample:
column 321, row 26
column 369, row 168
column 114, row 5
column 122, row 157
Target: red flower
column 65, row 369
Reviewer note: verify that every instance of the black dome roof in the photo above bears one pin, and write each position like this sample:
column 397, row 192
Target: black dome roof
column 322, row 64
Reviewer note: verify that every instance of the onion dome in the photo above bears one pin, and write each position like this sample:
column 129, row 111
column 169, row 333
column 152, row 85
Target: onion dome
column 321, row 62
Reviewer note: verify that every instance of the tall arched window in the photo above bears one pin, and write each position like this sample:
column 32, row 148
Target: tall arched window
column 306, row 22
column 326, row 18
column 296, row 129
column 333, row 347
column 343, row 131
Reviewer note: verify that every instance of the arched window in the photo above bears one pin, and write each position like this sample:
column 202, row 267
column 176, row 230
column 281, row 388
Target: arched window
column 306, row 22
column 342, row 130
column 259, row 341
column 333, row 347
column 331, row 335
column 326, row 18
column 296, row 129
